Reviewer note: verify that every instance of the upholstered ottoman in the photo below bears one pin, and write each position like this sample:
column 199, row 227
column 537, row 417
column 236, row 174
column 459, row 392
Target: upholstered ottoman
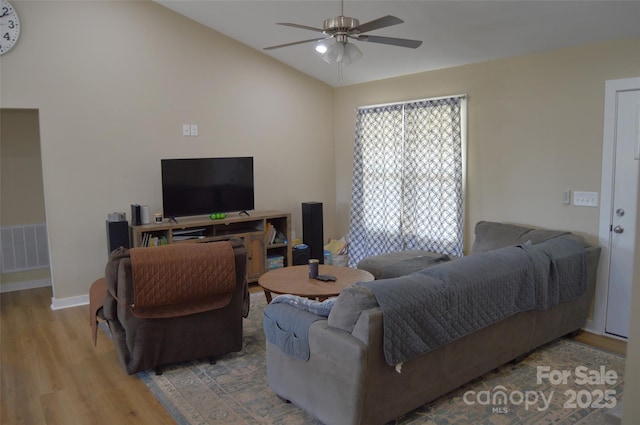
column 395, row 264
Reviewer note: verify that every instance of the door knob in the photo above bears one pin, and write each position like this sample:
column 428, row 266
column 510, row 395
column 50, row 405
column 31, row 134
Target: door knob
column 618, row 229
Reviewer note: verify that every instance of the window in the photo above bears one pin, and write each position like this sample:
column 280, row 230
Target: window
column 408, row 178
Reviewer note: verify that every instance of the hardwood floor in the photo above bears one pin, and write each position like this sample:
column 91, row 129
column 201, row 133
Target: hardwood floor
column 52, row 374
column 603, row 342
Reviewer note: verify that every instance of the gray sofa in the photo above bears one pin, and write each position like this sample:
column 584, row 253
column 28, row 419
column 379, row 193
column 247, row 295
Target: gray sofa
column 348, row 375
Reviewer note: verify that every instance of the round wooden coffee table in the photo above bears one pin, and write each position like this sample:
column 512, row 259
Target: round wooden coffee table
column 295, row 280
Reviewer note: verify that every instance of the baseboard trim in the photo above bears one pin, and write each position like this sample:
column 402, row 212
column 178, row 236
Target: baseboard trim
column 590, row 326
column 593, row 330
column 21, row 286
column 60, row 303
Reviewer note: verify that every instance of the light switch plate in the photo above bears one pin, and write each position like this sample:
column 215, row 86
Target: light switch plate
column 194, row 129
column 186, row 130
column 585, row 199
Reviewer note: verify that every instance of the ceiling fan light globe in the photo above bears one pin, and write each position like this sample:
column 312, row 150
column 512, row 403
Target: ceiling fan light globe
column 334, row 53
column 351, row 54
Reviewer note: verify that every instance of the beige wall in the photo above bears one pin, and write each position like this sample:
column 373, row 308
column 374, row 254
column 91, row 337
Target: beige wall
column 114, row 82
column 534, row 131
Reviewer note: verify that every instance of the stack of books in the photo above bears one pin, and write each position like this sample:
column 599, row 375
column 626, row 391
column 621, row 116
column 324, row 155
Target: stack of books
column 274, row 236
column 275, row 261
column 271, row 234
column 149, row 240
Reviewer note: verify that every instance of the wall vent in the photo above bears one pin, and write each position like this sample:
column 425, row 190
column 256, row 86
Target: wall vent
column 24, row 247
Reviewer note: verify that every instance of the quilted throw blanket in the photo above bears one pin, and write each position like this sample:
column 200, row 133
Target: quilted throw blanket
column 560, row 268
column 287, row 327
column 179, row 279
column 430, row 308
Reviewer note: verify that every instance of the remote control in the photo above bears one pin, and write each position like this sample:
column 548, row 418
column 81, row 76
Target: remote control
column 326, row 278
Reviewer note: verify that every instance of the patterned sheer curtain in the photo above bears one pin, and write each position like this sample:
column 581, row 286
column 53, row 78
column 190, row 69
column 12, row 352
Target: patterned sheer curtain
column 408, row 179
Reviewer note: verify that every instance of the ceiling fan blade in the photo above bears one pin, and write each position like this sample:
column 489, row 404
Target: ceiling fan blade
column 402, row 42
column 303, row 27
column 385, row 21
column 294, row 43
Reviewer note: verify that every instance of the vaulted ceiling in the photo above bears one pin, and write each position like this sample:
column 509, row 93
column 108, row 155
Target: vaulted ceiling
column 453, row 32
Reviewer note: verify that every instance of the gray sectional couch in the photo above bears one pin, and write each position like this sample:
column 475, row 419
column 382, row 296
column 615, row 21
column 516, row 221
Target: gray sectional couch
column 352, row 374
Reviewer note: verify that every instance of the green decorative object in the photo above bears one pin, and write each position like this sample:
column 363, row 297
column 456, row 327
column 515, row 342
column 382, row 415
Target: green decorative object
column 217, row 216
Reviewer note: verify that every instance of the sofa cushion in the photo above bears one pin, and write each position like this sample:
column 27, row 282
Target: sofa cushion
column 353, row 300
column 492, row 235
column 396, row 264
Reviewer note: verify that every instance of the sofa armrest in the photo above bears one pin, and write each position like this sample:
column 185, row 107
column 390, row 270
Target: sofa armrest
column 369, row 324
column 351, row 302
column 124, row 287
column 329, row 384
column 119, row 288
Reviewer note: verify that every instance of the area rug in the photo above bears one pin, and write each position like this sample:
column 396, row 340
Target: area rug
column 564, row 382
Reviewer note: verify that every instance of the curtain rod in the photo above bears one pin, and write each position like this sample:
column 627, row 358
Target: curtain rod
column 411, row 101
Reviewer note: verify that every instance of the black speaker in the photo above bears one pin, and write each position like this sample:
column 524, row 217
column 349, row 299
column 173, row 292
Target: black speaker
column 117, row 234
column 312, row 230
column 300, row 256
column 136, row 218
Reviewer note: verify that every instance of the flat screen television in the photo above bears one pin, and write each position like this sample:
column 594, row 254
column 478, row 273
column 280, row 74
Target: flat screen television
column 197, row 186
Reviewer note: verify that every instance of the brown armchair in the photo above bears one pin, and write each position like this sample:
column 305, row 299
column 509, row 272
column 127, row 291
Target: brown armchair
column 176, row 303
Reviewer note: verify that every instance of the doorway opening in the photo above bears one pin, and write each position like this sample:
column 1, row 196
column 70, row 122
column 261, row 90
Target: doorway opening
column 24, row 262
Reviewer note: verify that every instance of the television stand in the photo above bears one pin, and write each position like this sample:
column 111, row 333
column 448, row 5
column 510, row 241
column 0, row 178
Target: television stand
column 266, row 234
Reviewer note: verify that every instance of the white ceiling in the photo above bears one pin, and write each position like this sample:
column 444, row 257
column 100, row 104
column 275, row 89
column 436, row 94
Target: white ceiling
column 453, row 32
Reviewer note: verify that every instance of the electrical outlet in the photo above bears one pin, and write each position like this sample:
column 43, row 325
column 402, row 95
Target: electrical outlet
column 186, row 130
column 194, row 129
column 585, row 199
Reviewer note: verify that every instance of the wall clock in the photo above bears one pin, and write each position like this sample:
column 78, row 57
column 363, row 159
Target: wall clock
column 9, row 27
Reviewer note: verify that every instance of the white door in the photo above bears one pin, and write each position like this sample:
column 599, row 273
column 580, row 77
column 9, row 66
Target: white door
column 623, row 212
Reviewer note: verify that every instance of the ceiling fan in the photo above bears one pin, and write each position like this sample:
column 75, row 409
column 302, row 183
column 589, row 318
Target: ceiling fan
column 342, row 28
